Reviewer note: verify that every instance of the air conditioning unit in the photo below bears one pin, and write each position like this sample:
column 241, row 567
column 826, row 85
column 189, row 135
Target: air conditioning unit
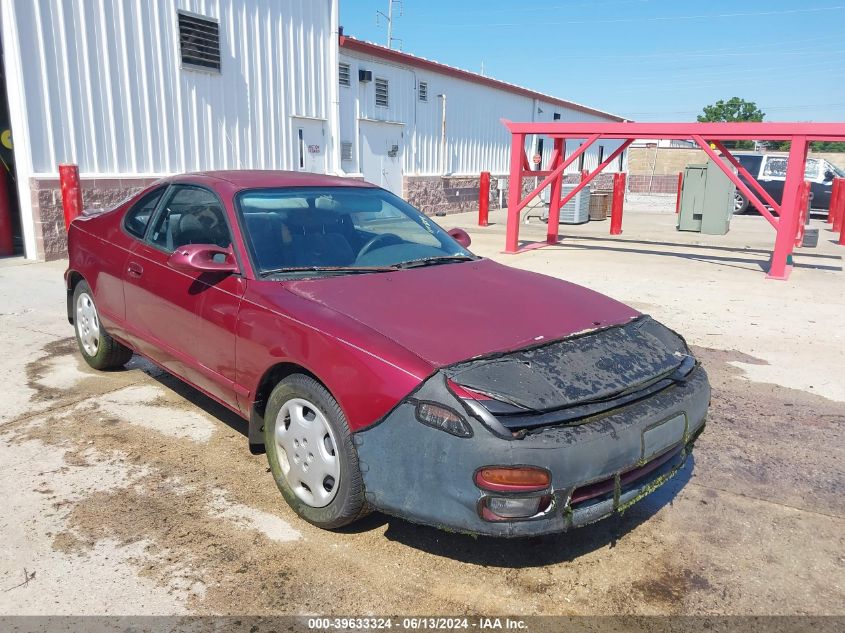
column 365, row 75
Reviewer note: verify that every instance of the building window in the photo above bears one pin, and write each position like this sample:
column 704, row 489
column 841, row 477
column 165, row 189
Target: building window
column 622, row 161
column 556, row 116
column 346, row 150
column 581, row 160
column 343, row 73
column 423, row 91
column 601, row 154
column 199, row 42
column 382, row 96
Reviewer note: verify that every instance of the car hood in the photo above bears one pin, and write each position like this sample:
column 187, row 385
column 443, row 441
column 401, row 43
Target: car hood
column 455, row 312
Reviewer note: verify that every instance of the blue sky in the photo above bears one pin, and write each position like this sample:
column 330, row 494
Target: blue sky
column 649, row 60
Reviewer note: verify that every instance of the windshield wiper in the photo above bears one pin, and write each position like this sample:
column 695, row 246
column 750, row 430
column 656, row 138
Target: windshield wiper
column 433, row 261
column 327, row 269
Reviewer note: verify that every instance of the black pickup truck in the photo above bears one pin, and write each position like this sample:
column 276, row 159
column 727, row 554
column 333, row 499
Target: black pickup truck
column 770, row 172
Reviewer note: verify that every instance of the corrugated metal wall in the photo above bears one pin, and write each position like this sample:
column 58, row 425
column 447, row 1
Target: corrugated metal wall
column 103, row 84
column 476, row 140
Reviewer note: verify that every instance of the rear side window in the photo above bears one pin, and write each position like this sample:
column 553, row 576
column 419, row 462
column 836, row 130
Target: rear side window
column 136, row 219
column 775, row 167
column 751, row 163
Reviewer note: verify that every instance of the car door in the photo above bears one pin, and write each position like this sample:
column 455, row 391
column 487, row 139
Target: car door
column 185, row 321
column 819, row 191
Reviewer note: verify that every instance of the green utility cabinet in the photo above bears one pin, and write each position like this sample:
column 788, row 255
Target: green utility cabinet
column 707, row 200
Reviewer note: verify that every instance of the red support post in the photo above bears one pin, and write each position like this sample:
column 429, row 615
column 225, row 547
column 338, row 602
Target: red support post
column 836, row 212
column 585, row 174
column 557, row 187
column 618, row 203
column 781, row 264
column 514, row 192
column 484, row 198
column 803, row 210
column 71, row 192
column 6, row 242
column 678, row 197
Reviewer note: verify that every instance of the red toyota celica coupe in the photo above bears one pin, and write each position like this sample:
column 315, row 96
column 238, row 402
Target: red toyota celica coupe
column 379, row 363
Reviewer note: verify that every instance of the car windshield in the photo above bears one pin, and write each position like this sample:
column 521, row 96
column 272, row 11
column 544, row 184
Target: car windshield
column 339, row 230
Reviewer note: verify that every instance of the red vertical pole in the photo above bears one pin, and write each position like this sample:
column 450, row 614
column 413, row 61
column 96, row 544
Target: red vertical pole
column 789, row 211
column 803, row 210
column 837, row 204
column 678, row 198
column 514, row 192
column 556, row 193
column 484, row 198
column 618, row 202
column 585, row 173
column 6, row 241
column 71, row 192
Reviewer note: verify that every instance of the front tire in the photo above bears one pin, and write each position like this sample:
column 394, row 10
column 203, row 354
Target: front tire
column 97, row 347
column 311, row 454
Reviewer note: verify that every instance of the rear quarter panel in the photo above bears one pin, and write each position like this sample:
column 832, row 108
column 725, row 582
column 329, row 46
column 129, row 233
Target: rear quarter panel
column 97, row 250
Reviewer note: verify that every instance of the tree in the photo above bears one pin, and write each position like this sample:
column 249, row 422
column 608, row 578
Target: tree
column 733, row 110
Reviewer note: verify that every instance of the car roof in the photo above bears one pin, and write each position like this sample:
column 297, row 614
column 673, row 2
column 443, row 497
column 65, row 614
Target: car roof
column 259, row 178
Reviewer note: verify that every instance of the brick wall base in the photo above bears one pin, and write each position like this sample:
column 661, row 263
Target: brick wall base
column 443, row 195
column 658, row 183
column 48, row 218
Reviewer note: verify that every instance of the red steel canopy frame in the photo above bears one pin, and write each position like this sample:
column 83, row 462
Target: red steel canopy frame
column 783, row 217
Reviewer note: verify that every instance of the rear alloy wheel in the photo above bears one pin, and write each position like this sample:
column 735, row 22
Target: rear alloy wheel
column 740, row 203
column 98, row 349
column 311, row 454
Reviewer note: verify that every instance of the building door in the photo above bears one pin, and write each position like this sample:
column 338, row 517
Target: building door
column 309, row 145
column 382, row 151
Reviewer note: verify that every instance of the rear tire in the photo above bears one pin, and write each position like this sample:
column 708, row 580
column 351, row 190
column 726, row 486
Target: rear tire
column 311, row 454
column 740, row 203
column 97, row 347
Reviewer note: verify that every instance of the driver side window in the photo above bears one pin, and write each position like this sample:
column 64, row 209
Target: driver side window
column 190, row 215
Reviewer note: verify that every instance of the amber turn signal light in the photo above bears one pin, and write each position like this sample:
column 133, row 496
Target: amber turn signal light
column 512, row 478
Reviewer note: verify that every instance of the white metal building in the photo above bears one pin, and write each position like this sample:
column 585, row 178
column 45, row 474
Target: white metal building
column 138, row 89
column 404, row 119
column 131, row 91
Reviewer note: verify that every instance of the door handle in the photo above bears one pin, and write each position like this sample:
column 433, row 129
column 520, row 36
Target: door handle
column 134, row 269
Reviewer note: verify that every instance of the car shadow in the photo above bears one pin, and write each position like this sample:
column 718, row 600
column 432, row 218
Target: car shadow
column 527, row 551
column 202, row 401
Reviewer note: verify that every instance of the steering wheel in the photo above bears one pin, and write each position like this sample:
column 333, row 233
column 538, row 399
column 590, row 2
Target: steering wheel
column 378, row 239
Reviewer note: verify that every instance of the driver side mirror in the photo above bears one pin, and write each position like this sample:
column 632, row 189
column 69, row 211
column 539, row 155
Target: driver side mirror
column 461, row 237
column 206, row 258
column 829, row 175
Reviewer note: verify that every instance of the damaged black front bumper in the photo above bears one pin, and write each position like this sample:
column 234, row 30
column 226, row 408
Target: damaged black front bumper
column 598, row 466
